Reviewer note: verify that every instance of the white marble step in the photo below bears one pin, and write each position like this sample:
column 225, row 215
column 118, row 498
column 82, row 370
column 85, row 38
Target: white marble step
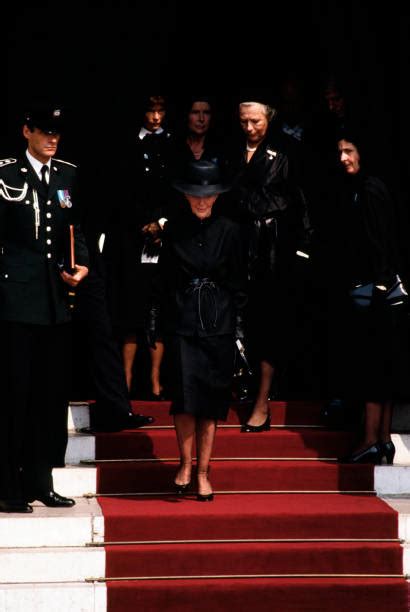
column 78, row 415
column 76, row 526
column 75, row 480
column 392, row 480
column 401, row 504
column 80, row 447
column 51, row 564
column 53, row 597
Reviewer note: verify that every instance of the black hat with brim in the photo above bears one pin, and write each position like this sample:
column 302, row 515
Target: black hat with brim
column 201, row 178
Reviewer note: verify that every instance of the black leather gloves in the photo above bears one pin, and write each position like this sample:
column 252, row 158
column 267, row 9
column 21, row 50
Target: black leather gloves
column 239, row 330
column 152, row 327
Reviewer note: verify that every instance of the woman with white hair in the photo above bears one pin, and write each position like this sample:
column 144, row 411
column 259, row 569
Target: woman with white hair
column 270, row 207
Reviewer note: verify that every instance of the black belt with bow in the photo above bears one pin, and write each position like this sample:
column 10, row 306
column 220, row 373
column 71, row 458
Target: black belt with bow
column 205, row 289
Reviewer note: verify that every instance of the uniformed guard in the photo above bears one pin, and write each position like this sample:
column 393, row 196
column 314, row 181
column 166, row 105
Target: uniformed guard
column 38, row 202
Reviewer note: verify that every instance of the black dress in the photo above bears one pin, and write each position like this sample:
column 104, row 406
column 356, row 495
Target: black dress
column 199, row 290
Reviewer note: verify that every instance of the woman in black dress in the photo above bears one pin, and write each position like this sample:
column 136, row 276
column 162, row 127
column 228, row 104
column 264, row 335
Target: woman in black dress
column 370, row 299
column 132, row 248
column 199, row 299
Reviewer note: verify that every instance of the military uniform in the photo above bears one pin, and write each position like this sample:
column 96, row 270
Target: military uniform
column 34, row 317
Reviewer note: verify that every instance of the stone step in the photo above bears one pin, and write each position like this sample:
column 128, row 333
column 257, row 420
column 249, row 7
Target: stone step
column 76, row 526
column 75, row 480
column 80, row 447
column 53, row 597
column 78, row 415
column 401, row 503
column 51, row 564
column 392, row 480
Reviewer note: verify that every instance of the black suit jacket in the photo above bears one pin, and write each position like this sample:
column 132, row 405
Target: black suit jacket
column 31, row 290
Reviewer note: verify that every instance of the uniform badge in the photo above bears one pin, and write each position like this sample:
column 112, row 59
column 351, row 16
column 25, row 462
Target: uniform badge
column 64, row 198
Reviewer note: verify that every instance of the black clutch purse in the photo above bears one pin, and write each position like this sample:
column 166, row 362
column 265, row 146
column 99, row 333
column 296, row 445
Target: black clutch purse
column 397, row 294
column 364, row 296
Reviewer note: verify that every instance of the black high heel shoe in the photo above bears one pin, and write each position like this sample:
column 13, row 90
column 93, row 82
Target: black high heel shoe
column 256, row 428
column 180, row 489
column 371, row 454
column 205, row 498
column 387, row 450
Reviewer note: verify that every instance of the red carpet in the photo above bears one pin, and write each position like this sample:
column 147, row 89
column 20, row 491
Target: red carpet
column 158, row 538
column 259, row 595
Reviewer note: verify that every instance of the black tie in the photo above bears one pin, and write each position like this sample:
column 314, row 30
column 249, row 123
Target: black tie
column 44, row 175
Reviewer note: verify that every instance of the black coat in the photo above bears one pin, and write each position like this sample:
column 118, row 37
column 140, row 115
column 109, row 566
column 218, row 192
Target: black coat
column 195, row 250
column 31, row 290
column 269, row 204
column 362, row 234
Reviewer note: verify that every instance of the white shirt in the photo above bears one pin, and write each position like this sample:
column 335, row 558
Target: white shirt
column 37, row 165
column 144, row 132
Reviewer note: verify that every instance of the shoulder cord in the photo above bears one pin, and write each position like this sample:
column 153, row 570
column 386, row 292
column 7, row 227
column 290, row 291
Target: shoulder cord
column 5, row 191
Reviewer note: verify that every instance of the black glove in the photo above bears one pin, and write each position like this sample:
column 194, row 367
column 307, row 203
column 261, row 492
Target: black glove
column 152, row 327
column 239, row 330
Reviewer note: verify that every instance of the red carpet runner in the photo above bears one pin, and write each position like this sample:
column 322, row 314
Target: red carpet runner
column 289, row 529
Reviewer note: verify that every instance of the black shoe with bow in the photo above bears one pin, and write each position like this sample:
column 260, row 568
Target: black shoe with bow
column 52, row 499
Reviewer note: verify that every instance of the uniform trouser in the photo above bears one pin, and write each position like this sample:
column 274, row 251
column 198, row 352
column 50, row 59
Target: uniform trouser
column 33, row 411
column 93, row 330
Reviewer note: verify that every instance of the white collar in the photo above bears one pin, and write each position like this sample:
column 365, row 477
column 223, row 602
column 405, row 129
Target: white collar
column 37, row 165
column 143, row 132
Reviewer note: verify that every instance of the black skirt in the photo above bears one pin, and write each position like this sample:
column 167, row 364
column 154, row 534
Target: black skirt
column 201, row 377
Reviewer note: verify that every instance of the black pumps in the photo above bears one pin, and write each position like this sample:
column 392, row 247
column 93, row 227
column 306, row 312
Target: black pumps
column 181, row 489
column 371, row 454
column 205, row 498
column 388, row 450
column 256, row 428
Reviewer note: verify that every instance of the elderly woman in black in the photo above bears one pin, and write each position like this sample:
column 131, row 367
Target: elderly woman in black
column 199, row 299
column 371, row 301
column 270, row 208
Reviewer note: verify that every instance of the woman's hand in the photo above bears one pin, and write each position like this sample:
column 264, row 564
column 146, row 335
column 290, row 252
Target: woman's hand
column 74, row 279
column 153, row 230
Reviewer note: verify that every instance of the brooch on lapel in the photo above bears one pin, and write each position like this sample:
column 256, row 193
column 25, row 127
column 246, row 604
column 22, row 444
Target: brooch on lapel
column 271, row 154
column 64, row 198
